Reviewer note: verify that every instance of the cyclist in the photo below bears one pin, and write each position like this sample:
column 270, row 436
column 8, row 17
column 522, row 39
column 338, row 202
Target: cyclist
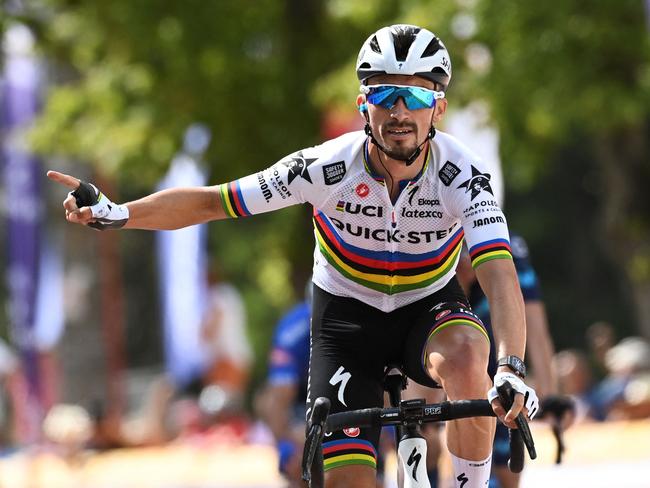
column 280, row 404
column 391, row 204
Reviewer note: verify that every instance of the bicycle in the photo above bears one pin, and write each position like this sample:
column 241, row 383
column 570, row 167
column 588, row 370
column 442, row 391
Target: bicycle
column 407, row 416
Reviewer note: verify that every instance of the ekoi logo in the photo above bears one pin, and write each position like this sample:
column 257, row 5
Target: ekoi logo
column 362, row 190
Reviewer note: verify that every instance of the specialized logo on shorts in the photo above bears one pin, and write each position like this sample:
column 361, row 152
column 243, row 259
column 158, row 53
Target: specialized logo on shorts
column 442, row 314
column 298, row 166
column 362, row 190
column 333, row 173
column 448, row 173
column 477, row 183
column 352, row 431
column 341, row 376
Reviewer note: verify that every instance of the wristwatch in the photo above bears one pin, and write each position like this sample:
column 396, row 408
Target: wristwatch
column 515, row 363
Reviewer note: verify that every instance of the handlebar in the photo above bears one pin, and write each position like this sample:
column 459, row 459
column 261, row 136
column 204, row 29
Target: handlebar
column 519, row 437
column 557, row 406
column 410, row 412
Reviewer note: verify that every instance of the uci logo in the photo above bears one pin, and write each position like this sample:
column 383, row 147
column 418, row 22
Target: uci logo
column 357, row 208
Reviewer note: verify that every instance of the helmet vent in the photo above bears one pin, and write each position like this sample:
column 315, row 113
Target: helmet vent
column 364, row 66
column 403, row 37
column 374, row 45
column 433, row 47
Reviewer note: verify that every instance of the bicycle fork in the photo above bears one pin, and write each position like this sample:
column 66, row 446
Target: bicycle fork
column 411, row 446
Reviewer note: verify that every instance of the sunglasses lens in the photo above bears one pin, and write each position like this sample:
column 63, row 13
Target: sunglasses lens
column 414, row 97
column 382, row 95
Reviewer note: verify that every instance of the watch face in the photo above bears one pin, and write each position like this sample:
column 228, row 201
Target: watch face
column 514, row 363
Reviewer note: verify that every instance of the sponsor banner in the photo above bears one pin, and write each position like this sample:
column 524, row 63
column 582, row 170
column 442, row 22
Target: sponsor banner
column 21, row 84
column 181, row 264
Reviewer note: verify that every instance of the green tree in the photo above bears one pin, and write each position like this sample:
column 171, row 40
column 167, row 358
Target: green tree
column 564, row 76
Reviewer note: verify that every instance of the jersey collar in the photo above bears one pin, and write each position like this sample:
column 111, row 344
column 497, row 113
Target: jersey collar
column 402, row 183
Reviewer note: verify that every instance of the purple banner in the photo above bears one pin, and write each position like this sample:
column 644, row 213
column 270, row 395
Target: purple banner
column 22, row 176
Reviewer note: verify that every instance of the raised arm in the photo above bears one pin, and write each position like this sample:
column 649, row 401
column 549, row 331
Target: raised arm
column 164, row 210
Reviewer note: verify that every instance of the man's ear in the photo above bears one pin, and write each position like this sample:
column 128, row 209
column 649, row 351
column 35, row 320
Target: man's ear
column 439, row 110
column 362, row 106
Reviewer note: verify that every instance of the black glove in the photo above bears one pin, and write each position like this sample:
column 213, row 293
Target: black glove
column 107, row 214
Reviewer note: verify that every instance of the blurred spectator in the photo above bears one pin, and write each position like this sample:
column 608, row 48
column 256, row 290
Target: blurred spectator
column 229, row 354
column 281, row 402
column 13, row 394
column 625, row 392
column 600, row 339
column 69, row 428
column 576, row 380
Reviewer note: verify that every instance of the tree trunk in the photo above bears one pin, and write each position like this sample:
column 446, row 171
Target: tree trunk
column 625, row 170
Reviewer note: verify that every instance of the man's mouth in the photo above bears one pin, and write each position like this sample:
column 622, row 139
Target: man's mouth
column 400, row 131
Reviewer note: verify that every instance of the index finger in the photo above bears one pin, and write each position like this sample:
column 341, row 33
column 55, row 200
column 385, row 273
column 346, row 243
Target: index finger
column 517, row 406
column 66, row 180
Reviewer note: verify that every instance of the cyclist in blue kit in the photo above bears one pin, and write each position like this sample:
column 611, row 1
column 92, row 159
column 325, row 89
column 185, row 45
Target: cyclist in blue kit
column 392, row 206
column 281, row 402
column 541, row 348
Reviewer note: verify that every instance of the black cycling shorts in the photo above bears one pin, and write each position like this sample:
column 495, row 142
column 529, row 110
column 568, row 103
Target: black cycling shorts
column 352, row 343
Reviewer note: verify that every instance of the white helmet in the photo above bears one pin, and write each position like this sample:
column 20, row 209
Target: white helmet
column 404, row 49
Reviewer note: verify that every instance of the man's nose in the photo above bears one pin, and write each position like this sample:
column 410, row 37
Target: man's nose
column 399, row 110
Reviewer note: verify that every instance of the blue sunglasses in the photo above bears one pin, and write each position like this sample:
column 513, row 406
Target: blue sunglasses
column 415, row 97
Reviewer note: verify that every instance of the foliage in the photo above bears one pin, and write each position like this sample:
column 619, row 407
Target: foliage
column 564, row 81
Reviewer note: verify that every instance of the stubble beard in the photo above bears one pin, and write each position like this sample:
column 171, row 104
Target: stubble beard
column 399, row 151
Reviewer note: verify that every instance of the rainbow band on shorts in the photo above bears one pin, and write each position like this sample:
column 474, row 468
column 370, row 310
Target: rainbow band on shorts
column 454, row 319
column 346, row 452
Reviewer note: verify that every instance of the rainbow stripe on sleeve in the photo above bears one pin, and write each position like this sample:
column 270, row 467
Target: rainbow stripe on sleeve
column 232, row 200
column 486, row 251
